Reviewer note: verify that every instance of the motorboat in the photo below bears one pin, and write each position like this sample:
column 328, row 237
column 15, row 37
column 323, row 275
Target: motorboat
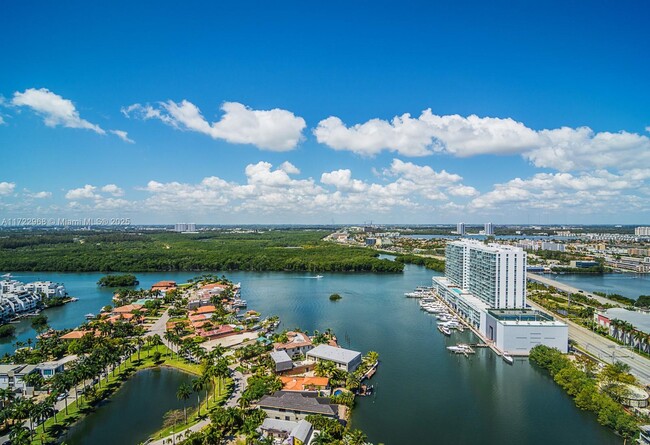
column 461, row 348
column 318, row 276
column 89, row 316
column 508, row 358
column 444, row 330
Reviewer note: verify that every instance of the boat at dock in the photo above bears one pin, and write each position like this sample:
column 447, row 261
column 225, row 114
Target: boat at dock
column 507, row 358
column 445, row 330
column 461, row 348
column 89, row 316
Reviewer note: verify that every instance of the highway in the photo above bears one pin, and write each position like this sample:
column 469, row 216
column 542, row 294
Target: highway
column 605, row 349
column 566, row 288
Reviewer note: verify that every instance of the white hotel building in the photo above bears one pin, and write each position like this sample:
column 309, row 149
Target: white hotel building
column 486, row 284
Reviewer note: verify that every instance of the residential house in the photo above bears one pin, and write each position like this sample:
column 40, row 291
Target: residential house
column 282, row 361
column 163, row 286
column 11, row 377
column 297, row 345
column 287, row 432
column 48, row 369
column 304, row 384
column 295, row 406
column 345, row 359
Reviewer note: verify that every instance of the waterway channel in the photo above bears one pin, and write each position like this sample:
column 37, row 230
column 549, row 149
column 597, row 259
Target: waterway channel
column 134, row 412
column 424, row 395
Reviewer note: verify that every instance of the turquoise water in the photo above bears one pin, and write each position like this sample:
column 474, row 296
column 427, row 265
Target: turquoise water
column 424, row 395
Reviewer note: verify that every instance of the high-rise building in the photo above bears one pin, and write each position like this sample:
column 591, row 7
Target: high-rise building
column 485, row 284
column 185, row 227
column 460, row 229
column 494, row 273
column 642, row 231
column 488, row 229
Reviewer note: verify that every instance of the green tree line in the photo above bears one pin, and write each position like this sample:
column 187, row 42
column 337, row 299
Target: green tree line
column 286, row 250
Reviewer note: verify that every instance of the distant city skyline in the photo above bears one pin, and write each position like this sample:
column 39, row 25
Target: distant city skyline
column 428, row 114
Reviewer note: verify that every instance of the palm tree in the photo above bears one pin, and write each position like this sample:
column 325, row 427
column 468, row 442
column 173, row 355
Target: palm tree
column 19, row 435
column 355, row 437
column 199, row 385
column 140, row 343
column 322, row 438
column 184, row 392
column 156, row 341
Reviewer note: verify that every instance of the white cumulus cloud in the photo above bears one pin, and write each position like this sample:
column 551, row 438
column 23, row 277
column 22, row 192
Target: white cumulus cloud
column 598, row 191
column 564, row 149
column 41, row 195
column 275, row 130
column 113, row 190
column 7, row 188
column 86, row 192
column 55, row 109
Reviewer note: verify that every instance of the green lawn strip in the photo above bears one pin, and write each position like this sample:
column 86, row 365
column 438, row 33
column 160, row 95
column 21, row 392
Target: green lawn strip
column 77, row 411
column 222, row 393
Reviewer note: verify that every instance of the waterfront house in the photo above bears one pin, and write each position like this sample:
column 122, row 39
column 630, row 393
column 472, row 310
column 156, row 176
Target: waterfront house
column 11, row 377
column 217, row 332
column 298, row 344
column 163, row 286
column 77, row 334
column 282, row 361
column 127, row 309
column 345, row 359
column 313, row 384
column 295, row 406
column 287, row 432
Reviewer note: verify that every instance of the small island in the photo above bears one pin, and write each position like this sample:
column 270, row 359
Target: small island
column 125, row 280
column 335, row 297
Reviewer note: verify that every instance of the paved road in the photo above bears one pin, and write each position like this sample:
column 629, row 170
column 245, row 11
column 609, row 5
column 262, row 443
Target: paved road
column 571, row 289
column 159, row 326
column 605, row 349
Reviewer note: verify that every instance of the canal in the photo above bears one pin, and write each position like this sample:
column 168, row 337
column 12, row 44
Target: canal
column 134, row 412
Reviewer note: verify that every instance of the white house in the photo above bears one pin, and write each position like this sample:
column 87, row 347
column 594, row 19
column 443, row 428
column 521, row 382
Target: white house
column 345, row 359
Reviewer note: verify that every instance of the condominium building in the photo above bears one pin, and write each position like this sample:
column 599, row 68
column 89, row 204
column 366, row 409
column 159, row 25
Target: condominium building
column 460, row 228
column 488, row 228
column 494, row 273
column 185, row 227
column 486, row 285
column 17, row 297
column 642, row 231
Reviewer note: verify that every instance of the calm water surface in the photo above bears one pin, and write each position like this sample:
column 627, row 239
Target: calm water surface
column 629, row 285
column 134, row 412
column 424, row 394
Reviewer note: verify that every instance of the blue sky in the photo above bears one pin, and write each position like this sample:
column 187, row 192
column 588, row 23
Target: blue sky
column 518, row 112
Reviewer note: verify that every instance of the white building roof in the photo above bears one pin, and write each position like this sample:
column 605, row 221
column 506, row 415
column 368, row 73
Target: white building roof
column 338, row 355
column 640, row 320
column 280, row 356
